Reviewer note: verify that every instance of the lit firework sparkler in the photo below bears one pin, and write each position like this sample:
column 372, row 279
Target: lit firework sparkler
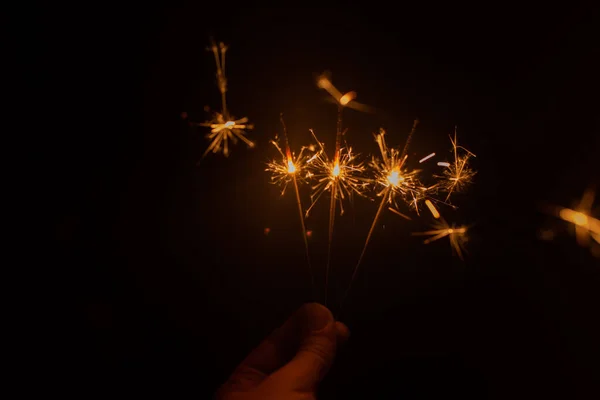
column 457, row 174
column 395, row 181
column 340, row 176
column 441, row 229
column 289, row 170
column 224, row 127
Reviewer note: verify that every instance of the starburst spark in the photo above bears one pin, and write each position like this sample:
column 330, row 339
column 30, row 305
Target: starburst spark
column 392, row 177
column 288, row 166
column 342, row 176
column 441, row 229
column 223, row 130
column 224, row 127
column 458, row 174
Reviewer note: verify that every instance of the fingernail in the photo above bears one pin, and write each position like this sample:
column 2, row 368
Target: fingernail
column 318, row 317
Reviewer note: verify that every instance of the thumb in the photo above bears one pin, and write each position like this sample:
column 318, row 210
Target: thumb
column 317, row 348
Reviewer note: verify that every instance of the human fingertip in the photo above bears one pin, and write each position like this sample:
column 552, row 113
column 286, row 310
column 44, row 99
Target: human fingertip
column 342, row 332
column 318, row 316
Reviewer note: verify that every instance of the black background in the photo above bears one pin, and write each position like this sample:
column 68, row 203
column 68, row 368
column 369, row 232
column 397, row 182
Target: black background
column 175, row 281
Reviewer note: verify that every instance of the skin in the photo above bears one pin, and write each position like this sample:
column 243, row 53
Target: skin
column 289, row 363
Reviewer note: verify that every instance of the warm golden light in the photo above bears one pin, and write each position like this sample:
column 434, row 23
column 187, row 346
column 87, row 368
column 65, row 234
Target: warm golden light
column 580, row 219
column 586, row 225
column 335, row 172
column 432, row 209
column 291, row 167
column 394, row 178
column 342, row 177
column 347, row 98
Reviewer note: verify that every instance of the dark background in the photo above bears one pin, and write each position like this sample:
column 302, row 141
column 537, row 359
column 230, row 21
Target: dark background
column 173, row 278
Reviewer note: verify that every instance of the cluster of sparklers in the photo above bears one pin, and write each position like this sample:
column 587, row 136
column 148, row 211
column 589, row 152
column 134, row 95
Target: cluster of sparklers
column 392, row 177
column 389, row 177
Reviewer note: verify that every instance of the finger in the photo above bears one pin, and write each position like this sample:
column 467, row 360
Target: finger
column 273, row 352
column 316, row 351
column 342, row 333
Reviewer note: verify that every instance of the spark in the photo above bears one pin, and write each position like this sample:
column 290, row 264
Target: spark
column 345, row 100
column 422, row 160
column 432, row 208
column 457, row 175
column 441, row 229
column 586, row 226
column 223, row 130
column 287, row 170
column 342, row 176
column 224, row 127
column 392, row 177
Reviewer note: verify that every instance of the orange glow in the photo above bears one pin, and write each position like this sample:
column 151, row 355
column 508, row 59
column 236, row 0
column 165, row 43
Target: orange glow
column 575, row 217
column 394, row 178
column 433, row 210
column 335, row 172
column 347, row 98
column 291, row 168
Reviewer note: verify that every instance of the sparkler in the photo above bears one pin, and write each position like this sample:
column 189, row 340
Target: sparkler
column 224, row 127
column 441, row 229
column 340, row 177
column 290, row 169
column 457, row 175
column 396, row 182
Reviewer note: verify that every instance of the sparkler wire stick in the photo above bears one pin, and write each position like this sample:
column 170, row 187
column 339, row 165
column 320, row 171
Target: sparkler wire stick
column 332, row 207
column 300, row 212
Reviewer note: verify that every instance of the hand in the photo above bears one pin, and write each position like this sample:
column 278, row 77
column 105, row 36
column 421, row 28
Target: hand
column 290, row 363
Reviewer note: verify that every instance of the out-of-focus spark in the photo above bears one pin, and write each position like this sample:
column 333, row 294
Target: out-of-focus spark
column 289, row 169
column 441, row 229
column 422, row 160
column 443, row 164
column 345, row 100
column 457, row 174
column 586, row 226
column 432, row 208
column 224, row 127
column 224, row 130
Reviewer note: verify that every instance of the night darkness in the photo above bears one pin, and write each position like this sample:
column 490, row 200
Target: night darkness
column 173, row 278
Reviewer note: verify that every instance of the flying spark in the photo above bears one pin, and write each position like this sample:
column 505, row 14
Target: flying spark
column 441, row 229
column 457, row 175
column 422, row 160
